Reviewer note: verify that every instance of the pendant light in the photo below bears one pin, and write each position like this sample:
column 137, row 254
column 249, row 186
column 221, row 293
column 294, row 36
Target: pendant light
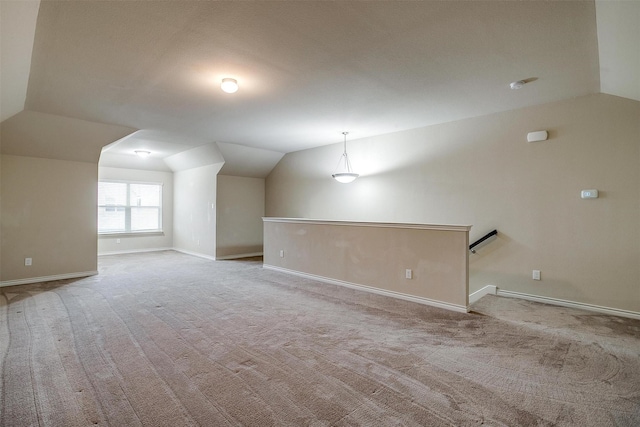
column 344, row 174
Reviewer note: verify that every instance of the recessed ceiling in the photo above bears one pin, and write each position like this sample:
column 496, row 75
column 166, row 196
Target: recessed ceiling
column 307, row 70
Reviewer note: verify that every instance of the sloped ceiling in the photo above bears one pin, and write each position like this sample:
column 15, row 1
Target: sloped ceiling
column 17, row 30
column 619, row 47
column 33, row 134
column 247, row 161
column 307, row 70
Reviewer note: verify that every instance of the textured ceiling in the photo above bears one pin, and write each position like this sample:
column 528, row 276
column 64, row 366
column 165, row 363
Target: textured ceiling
column 307, row 70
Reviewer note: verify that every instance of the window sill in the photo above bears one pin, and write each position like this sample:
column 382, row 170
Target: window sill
column 129, row 234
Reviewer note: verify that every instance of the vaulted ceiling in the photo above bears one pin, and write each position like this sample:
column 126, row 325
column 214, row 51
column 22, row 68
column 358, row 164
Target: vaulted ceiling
column 307, row 70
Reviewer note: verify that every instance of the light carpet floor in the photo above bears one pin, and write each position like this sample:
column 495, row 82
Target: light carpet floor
column 166, row 339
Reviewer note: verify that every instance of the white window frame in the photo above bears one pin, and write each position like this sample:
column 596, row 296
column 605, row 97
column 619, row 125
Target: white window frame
column 127, row 209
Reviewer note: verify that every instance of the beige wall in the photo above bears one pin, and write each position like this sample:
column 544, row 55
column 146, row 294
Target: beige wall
column 376, row 256
column 48, row 214
column 239, row 217
column 482, row 172
column 0, row 209
column 141, row 242
column 194, row 211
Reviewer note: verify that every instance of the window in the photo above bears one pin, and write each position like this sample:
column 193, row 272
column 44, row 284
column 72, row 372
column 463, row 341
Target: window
column 129, row 207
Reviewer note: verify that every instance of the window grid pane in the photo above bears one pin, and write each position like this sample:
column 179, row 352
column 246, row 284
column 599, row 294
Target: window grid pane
column 112, row 194
column 111, row 219
column 144, row 218
column 145, row 195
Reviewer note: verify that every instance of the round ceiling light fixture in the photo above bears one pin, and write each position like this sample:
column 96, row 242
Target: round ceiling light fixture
column 142, row 153
column 517, row 85
column 229, row 85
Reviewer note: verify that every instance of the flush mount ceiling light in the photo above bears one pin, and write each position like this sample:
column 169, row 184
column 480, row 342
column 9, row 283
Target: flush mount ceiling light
column 142, row 153
column 229, row 85
column 517, row 85
column 343, row 172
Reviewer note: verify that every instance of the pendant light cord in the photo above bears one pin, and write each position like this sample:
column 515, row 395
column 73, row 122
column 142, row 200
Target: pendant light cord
column 344, row 156
column 345, row 142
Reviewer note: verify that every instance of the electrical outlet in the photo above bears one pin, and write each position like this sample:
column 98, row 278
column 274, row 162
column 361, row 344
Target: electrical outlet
column 408, row 274
column 28, row 261
column 118, row 241
column 536, row 275
column 281, row 253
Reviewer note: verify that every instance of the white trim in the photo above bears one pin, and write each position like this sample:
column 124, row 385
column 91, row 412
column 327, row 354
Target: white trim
column 487, row 290
column 209, row 257
column 134, row 251
column 398, row 295
column 199, row 255
column 116, row 235
column 369, row 224
column 571, row 304
column 48, row 278
column 129, row 181
column 237, row 256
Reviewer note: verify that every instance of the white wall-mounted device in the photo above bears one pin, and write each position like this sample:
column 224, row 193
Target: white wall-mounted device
column 589, row 194
column 541, row 135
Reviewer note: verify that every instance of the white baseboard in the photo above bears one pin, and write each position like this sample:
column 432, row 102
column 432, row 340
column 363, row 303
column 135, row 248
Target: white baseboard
column 47, row 278
column 487, row 290
column 237, row 256
column 226, row 257
column 406, row 297
column 571, row 304
column 133, row 251
column 199, row 255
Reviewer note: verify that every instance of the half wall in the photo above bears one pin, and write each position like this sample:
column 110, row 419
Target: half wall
column 376, row 257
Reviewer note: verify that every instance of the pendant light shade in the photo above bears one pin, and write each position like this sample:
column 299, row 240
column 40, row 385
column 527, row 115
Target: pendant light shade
column 343, row 172
column 345, row 177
